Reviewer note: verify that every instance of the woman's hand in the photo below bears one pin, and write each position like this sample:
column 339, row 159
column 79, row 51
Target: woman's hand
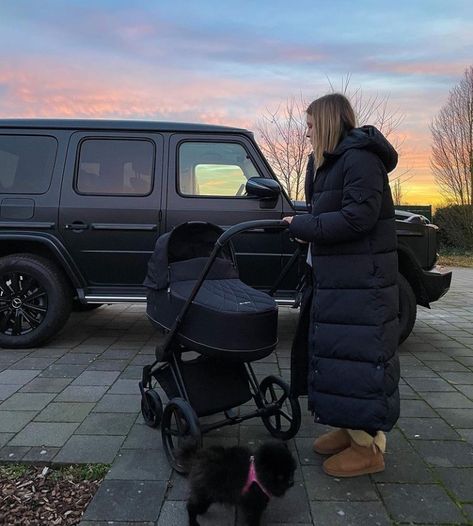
column 288, row 220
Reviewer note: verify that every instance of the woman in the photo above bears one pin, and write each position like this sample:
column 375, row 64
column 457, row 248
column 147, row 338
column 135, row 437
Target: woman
column 352, row 324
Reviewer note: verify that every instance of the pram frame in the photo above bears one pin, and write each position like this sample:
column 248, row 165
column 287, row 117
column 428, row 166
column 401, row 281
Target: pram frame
column 168, row 352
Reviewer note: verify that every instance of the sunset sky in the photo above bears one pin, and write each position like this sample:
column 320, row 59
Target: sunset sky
column 228, row 62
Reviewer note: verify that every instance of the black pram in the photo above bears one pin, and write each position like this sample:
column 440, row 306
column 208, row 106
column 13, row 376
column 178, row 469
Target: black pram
column 196, row 298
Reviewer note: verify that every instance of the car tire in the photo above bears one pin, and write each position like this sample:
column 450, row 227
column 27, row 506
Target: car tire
column 407, row 308
column 35, row 300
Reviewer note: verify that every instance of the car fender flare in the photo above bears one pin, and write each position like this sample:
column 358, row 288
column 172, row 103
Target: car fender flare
column 53, row 245
column 412, row 271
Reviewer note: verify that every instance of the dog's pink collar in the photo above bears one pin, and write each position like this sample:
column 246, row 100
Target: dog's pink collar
column 252, row 477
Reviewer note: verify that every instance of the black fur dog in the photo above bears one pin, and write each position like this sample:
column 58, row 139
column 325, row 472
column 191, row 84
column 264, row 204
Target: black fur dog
column 234, row 476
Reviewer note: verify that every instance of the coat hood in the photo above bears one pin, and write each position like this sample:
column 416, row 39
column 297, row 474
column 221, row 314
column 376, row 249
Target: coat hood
column 368, row 138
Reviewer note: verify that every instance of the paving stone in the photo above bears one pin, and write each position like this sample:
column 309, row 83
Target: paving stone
column 132, row 372
column 90, row 449
column 27, row 402
column 48, row 352
column 96, row 378
column 459, row 481
column 417, row 408
column 292, row 507
column 419, row 504
column 82, row 393
column 457, row 417
column 396, row 442
column 447, row 453
column 448, row 401
column 427, row 429
column 466, row 360
column 44, row 434
column 466, row 434
column 5, row 437
column 306, row 453
column 430, row 384
column 63, row 371
column 124, row 387
column 407, row 393
column 174, row 513
column 6, row 390
column 107, row 424
column 65, row 412
column 321, row 487
column 119, row 404
column 127, row 500
column 38, row 455
column 13, row 421
column 468, row 509
column 178, row 487
column 448, row 366
column 143, row 437
column 459, row 378
column 349, row 514
column 108, row 365
column 412, row 371
column 17, row 377
column 404, row 466
column 13, row 453
column 77, row 359
column 467, row 390
column 119, row 354
column 135, row 464
column 46, row 385
column 33, row 363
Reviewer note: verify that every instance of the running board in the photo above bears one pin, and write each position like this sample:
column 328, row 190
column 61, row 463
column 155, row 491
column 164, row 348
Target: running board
column 142, row 299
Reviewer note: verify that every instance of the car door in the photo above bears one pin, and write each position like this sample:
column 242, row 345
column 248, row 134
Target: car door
column 206, row 182
column 110, row 205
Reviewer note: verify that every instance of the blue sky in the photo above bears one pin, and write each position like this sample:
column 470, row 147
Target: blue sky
column 227, row 62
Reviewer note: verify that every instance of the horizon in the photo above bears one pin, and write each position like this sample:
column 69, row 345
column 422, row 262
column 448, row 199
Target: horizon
column 229, row 65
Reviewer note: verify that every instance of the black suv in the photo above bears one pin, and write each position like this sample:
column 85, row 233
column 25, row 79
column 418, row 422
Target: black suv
column 82, row 203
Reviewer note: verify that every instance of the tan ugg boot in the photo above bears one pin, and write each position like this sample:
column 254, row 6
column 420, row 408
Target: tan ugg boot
column 332, row 442
column 363, row 457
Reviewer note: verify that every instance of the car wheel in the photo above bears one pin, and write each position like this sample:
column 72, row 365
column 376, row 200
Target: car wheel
column 35, row 300
column 407, row 308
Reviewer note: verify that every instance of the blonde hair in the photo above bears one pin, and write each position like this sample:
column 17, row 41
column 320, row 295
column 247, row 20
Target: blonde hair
column 333, row 116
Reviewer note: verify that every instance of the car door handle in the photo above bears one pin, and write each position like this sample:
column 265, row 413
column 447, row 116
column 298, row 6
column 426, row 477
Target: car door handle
column 77, row 225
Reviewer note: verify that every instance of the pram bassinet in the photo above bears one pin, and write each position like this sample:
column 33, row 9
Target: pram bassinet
column 227, row 316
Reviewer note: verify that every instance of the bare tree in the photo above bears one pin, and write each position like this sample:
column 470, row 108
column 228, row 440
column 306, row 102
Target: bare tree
column 452, row 148
column 397, row 192
column 281, row 133
column 282, row 138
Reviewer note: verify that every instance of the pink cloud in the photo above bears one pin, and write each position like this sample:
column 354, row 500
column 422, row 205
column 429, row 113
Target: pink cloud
column 451, row 68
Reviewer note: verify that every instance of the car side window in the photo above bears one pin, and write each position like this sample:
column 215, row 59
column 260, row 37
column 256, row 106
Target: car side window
column 212, row 169
column 115, row 167
column 26, row 163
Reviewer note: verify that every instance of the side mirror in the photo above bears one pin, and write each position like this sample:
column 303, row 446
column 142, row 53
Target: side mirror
column 263, row 188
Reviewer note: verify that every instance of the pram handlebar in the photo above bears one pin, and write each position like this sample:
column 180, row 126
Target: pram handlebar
column 250, row 225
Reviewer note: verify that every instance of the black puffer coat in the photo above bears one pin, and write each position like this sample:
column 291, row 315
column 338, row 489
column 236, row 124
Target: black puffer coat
column 353, row 327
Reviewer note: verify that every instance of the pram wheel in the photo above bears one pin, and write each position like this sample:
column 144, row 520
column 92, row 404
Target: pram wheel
column 179, row 424
column 151, row 408
column 284, row 422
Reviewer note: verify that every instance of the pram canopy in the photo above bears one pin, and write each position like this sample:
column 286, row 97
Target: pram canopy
column 227, row 316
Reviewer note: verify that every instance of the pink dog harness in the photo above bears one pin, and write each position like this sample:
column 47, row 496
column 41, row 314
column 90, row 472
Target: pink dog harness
column 252, row 477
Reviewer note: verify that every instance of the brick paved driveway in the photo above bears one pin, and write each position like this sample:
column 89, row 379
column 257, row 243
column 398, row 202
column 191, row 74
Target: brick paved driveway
column 76, row 400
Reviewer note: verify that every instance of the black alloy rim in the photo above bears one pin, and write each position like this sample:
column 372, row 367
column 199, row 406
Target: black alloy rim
column 23, row 303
